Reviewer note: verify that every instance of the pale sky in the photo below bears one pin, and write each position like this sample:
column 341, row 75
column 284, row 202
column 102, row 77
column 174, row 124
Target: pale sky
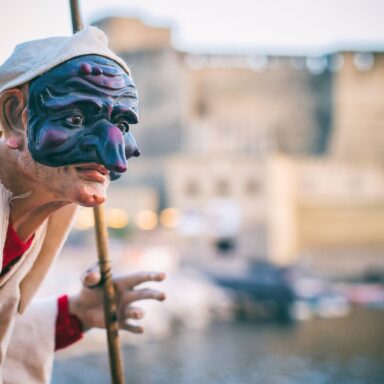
column 260, row 26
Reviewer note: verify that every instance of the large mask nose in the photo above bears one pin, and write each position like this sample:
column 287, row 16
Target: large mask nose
column 113, row 154
column 131, row 148
column 108, row 142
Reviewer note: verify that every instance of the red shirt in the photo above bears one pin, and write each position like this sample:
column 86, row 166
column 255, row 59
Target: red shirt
column 68, row 326
column 14, row 248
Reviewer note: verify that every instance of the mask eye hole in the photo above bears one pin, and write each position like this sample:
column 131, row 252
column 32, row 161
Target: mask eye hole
column 75, row 120
column 123, row 126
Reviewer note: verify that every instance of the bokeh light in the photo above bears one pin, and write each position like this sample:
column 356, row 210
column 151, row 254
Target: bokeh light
column 146, row 220
column 84, row 219
column 117, row 218
column 170, row 218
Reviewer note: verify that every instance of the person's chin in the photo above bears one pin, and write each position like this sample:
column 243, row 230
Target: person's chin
column 92, row 195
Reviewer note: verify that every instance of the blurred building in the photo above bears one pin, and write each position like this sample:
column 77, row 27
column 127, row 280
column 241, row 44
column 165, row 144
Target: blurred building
column 327, row 214
column 282, row 150
column 358, row 109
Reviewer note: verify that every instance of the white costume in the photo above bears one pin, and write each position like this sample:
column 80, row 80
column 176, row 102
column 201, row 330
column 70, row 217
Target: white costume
column 27, row 337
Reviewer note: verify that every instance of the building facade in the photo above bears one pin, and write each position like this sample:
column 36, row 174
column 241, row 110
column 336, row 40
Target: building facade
column 271, row 143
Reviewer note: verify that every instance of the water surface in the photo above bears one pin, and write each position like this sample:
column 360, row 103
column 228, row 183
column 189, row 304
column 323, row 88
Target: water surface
column 341, row 351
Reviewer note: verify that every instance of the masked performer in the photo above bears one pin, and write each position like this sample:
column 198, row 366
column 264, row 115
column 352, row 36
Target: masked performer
column 66, row 106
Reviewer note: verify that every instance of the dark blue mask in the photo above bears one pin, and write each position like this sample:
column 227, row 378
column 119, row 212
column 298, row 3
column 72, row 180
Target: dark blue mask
column 80, row 112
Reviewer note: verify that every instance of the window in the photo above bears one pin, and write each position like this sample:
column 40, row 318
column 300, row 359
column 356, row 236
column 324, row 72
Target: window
column 252, row 187
column 222, row 187
column 192, row 189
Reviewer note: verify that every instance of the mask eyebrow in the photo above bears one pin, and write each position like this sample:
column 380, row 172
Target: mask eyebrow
column 52, row 102
column 127, row 112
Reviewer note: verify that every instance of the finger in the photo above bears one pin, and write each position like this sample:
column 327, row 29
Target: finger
column 133, row 313
column 142, row 277
column 132, row 328
column 142, row 294
column 91, row 279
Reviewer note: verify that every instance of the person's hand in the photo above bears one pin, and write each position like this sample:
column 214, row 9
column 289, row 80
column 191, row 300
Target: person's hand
column 88, row 304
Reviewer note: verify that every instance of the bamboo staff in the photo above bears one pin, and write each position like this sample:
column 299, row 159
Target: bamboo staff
column 110, row 309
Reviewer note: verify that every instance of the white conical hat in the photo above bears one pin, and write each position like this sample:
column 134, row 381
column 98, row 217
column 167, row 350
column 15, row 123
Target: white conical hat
column 33, row 58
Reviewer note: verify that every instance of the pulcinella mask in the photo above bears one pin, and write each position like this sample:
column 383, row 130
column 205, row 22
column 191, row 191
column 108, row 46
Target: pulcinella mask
column 81, row 112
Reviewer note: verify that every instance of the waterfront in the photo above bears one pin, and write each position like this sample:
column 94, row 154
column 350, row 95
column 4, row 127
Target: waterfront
column 346, row 350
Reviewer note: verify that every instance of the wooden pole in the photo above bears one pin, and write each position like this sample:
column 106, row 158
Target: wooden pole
column 110, row 309
column 77, row 22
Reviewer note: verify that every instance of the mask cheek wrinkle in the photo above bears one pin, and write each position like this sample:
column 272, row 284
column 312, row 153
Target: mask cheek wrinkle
column 51, row 138
column 88, row 142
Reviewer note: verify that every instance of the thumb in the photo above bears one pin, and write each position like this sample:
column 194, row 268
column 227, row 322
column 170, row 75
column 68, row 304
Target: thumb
column 92, row 278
